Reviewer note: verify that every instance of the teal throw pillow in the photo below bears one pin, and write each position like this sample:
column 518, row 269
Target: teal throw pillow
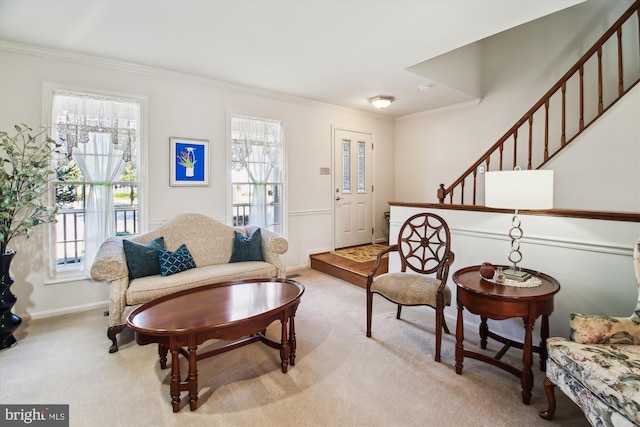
column 142, row 260
column 175, row 262
column 247, row 248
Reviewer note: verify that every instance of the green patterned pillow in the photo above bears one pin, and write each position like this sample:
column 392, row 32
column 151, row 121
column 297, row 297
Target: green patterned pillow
column 142, row 260
column 175, row 262
column 247, row 248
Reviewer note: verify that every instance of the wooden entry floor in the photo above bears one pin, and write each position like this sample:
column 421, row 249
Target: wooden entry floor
column 343, row 268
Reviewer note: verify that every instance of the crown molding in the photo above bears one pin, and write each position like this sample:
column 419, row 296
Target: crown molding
column 97, row 61
column 113, row 64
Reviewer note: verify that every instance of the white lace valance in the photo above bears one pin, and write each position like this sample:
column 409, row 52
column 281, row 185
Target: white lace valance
column 76, row 115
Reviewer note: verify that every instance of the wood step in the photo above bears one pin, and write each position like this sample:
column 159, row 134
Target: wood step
column 350, row 271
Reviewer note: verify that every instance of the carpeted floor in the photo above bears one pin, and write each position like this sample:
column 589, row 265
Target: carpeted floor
column 363, row 253
column 341, row 378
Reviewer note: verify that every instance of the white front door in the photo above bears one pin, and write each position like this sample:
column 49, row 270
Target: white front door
column 353, row 188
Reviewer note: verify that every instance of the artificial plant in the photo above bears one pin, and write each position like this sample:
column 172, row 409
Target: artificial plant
column 24, row 175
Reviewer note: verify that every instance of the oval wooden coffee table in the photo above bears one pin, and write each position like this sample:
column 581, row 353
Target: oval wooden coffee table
column 237, row 311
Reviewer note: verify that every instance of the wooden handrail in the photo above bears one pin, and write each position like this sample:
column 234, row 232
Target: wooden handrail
column 527, row 118
column 565, row 213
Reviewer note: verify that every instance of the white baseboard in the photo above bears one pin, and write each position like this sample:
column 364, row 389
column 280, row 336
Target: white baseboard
column 66, row 310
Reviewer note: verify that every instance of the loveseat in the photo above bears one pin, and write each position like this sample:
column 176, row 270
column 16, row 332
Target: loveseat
column 197, row 251
column 599, row 366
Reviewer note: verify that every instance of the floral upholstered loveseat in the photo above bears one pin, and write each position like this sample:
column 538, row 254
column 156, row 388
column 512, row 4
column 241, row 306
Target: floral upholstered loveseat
column 185, row 252
column 599, row 367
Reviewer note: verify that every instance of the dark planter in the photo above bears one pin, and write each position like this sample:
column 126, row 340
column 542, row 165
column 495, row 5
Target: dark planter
column 9, row 322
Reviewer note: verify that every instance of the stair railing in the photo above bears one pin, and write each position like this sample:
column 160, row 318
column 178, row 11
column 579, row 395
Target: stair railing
column 557, row 118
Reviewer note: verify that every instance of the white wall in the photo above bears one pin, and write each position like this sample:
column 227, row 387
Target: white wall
column 601, row 169
column 186, row 106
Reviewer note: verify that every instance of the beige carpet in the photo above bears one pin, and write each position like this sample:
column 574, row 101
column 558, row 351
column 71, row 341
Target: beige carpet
column 341, row 378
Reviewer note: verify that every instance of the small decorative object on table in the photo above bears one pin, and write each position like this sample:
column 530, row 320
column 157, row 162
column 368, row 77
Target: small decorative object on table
column 487, row 270
column 499, row 275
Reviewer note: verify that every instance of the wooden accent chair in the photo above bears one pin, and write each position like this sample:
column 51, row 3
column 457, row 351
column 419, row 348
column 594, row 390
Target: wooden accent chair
column 598, row 367
column 424, row 246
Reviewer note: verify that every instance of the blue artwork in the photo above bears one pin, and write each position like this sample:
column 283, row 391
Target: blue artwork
column 190, row 162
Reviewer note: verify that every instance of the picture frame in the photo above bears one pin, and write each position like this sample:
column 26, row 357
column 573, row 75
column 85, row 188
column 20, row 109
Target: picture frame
column 189, row 160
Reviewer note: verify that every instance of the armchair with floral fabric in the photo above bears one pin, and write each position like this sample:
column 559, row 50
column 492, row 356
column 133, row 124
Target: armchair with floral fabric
column 599, row 366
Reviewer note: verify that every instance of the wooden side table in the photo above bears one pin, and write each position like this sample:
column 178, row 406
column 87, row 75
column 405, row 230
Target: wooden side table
column 494, row 301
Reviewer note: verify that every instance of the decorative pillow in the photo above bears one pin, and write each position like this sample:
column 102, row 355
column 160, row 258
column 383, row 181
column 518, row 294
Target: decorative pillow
column 175, row 262
column 247, row 248
column 588, row 329
column 142, row 260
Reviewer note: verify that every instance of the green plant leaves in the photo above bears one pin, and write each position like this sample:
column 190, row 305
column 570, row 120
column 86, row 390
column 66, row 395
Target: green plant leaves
column 24, row 175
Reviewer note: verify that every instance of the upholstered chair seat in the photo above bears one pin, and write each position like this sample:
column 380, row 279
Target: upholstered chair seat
column 410, row 289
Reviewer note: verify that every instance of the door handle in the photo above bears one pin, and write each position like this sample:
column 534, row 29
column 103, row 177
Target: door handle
column 338, row 198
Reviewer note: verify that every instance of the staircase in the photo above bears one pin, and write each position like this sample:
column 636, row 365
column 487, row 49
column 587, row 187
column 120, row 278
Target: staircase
column 602, row 76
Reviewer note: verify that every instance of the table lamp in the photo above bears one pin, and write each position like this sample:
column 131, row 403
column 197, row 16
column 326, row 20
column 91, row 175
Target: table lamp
column 518, row 189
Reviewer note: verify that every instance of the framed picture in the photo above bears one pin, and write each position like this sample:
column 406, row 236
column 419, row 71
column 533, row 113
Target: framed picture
column 189, row 161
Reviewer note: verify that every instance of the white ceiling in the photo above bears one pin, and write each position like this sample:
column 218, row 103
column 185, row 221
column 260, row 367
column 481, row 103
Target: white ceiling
column 337, row 52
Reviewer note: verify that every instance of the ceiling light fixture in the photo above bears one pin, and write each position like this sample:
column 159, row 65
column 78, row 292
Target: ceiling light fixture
column 381, row 102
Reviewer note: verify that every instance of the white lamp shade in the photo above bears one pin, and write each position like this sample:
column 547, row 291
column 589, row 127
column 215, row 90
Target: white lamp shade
column 519, row 189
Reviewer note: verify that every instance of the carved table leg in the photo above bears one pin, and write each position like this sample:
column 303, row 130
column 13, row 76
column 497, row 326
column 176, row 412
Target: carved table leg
column 162, row 353
column 174, row 387
column 292, row 340
column 484, row 332
column 193, row 375
column 459, row 339
column 544, row 334
column 526, row 376
column 549, row 388
column 284, row 345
